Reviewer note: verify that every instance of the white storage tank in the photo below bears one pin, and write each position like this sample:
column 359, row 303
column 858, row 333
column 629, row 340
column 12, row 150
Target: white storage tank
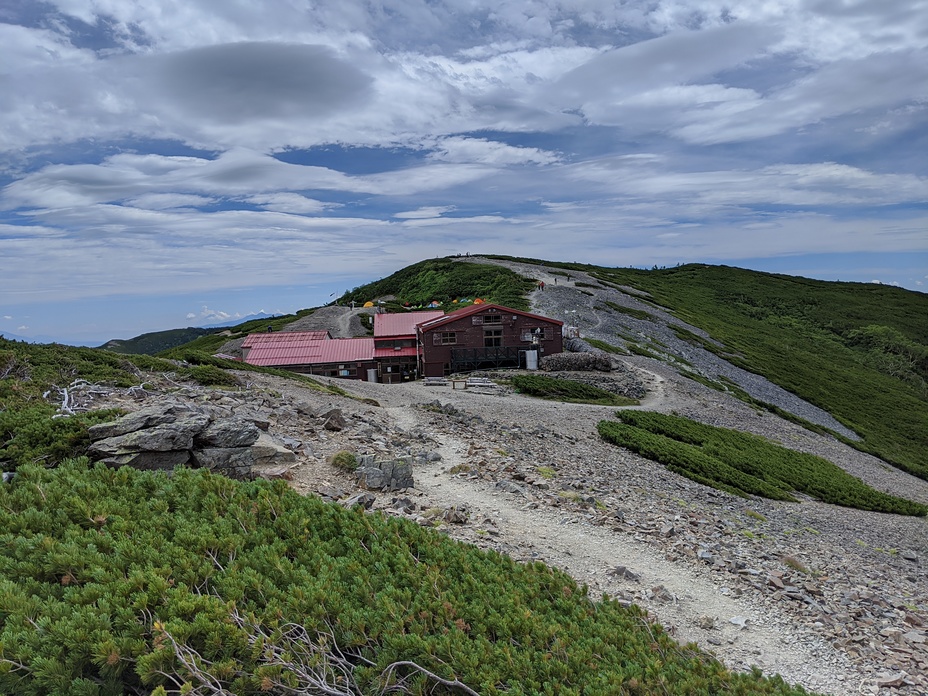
column 531, row 360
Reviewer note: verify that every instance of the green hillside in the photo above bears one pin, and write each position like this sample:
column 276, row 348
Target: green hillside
column 155, row 341
column 856, row 350
column 128, row 582
column 444, row 280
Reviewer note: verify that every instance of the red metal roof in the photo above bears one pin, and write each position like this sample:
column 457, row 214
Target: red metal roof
column 347, row 350
column 479, row 309
column 276, row 354
column 255, row 339
column 318, row 352
column 389, row 325
column 406, row 352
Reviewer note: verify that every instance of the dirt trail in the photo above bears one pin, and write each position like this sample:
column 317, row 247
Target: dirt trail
column 695, row 610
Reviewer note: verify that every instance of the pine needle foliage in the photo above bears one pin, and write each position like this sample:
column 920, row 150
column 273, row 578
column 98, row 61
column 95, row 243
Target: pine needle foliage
column 744, row 464
column 121, row 581
column 568, row 391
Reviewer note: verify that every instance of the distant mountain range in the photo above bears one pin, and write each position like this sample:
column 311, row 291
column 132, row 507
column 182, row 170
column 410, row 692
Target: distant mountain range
column 157, row 341
column 241, row 320
column 34, row 339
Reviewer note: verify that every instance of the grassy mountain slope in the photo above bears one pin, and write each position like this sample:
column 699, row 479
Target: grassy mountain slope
column 155, row 341
column 445, row 280
column 819, row 340
column 858, row 351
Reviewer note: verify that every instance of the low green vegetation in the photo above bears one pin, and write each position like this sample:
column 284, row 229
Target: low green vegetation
column 37, row 380
column 858, row 351
column 604, row 346
column 568, row 390
column 635, row 313
column 744, row 464
column 343, row 459
column 643, row 351
column 129, row 582
column 444, row 280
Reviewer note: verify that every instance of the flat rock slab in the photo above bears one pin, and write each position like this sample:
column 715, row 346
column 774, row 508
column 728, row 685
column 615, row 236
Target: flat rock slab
column 229, row 432
column 167, row 437
column 149, row 461
column 150, row 417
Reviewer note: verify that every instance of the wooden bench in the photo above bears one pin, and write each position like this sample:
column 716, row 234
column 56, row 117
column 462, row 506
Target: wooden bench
column 435, row 382
column 481, row 382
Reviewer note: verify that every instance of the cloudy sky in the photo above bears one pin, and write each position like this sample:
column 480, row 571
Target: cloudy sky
column 178, row 162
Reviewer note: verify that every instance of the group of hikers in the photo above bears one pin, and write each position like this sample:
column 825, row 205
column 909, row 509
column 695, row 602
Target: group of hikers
column 541, row 283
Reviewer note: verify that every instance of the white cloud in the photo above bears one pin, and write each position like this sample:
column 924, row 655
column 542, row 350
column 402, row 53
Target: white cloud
column 167, row 201
column 289, row 203
column 206, row 143
column 428, row 212
column 488, row 152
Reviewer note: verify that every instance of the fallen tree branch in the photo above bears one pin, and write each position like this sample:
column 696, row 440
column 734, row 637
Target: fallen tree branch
column 316, row 663
column 76, row 397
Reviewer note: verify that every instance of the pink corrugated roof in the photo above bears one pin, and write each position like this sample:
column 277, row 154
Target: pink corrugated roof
column 346, row 350
column 297, row 353
column 301, row 352
column 386, row 325
column 407, row 352
column 255, row 339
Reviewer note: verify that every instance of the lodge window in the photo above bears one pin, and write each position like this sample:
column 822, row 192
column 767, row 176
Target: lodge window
column 492, row 338
column 492, row 319
column 449, row 338
column 545, row 333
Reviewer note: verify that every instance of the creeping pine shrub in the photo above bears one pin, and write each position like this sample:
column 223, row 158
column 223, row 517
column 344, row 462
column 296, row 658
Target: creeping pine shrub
column 210, row 376
column 343, row 459
column 744, row 464
column 567, row 390
column 129, row 582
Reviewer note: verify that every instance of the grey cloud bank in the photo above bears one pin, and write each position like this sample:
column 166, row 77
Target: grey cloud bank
column 165, row 156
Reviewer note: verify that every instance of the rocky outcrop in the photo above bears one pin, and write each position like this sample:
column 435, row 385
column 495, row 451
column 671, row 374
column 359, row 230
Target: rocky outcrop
column 386, row 475
column 584, row 362
column 164, row 436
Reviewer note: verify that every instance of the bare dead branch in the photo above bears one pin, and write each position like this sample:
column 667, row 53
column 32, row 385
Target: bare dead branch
column 313, row 662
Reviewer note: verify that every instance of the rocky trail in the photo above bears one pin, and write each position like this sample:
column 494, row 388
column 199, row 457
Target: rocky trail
column 830, row 598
